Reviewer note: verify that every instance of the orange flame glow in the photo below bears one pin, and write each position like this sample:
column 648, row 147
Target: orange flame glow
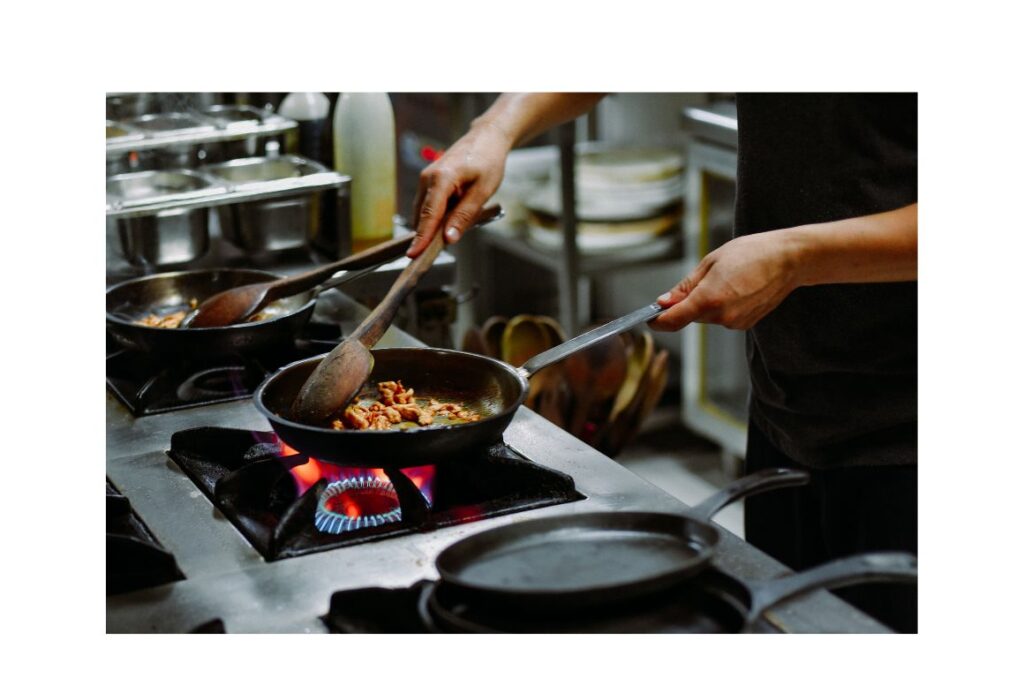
column 306, row 475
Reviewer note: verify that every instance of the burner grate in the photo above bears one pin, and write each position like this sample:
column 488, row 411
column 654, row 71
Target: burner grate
column 135, row 559
column 245, row 475
column 153, row 385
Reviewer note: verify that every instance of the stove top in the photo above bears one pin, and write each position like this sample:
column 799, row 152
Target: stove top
column 237, row 570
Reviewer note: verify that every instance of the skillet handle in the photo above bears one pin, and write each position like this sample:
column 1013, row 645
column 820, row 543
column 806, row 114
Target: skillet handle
column 347, row 276
column 423, row 608
column 896, row 567
column 747, row 486
column 565, row 349
column 372, row 257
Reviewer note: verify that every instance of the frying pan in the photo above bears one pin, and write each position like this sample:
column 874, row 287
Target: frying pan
column 490, row 387
column 164, row 293
column 582, row 560
column 711, row 602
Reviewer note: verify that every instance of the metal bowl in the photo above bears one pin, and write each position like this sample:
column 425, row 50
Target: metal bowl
column 272, row 224
column 171, row 236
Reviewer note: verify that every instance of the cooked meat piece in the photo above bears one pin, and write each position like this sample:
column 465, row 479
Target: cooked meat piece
column 169, row 321
column 357, row 417
column 408, row 412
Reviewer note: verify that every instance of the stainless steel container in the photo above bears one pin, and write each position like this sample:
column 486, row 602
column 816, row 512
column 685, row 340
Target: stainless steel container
column 169, row 125
column 119, row 163
column 238, row 118
column 275, row 223
column 171, row 236
column 124, row 105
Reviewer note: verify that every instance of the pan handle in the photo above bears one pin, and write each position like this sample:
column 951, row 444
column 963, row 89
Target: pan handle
column 747, row 486
column 863, row 568
column 347, row 276
column 564, row 350
column 367, row 260
column 423, row 607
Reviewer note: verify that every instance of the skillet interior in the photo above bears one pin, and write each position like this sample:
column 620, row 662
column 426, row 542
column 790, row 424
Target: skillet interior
column 482, row 384
column 169, row 292
column 489, row 387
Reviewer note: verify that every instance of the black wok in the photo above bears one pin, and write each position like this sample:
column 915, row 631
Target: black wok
column 490, row 387
column 711, row 602
column 563, row 563
column 165, row 293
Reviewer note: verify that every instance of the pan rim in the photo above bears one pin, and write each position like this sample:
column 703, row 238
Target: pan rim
column 257, row 399
column 197, row 330
column 695, row 565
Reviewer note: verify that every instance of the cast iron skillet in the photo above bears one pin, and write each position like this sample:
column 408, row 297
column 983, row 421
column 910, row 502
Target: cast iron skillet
column 593, row 559
column 164, row 293
column 711, row 602
column 491, row 388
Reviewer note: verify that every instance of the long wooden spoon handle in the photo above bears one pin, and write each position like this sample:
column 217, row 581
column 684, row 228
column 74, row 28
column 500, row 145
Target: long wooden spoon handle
column 378, row 254
column 376, row 324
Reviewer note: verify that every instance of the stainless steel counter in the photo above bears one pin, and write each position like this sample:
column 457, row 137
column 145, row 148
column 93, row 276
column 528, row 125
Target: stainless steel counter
column 227, row 578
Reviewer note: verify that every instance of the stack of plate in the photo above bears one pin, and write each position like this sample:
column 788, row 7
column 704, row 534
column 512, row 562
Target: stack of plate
column 624, row 197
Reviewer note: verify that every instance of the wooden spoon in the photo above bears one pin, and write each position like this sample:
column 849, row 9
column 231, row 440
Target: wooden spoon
column 235, row 305
column 342, row 373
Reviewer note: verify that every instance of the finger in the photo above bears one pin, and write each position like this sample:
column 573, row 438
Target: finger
column 431, row 211
column 685, row 286
column 679, row 315
column 462, row 216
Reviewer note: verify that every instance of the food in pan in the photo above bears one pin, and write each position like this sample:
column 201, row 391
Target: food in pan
column 395, row 406
column 168, row 320
column 173, row 320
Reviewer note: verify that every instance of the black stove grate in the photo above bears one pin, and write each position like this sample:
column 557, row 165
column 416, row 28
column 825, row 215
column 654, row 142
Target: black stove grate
column 135, row 558
column 245, row 477
column 152, row 385
column 398, row 610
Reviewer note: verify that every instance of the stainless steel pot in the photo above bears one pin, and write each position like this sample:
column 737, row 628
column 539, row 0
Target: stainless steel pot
column 171, row 236
column 276, row 223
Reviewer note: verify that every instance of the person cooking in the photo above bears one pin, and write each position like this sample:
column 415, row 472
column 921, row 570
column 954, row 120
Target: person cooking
column 821, row 273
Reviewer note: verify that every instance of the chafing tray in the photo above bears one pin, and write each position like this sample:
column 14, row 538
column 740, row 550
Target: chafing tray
column 273, row 223
column 168, row 235
column 266, row 204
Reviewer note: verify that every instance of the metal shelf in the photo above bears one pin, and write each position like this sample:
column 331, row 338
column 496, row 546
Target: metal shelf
column 657, row 250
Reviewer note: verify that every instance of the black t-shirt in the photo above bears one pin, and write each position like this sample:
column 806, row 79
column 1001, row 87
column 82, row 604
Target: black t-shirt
column 834, row 367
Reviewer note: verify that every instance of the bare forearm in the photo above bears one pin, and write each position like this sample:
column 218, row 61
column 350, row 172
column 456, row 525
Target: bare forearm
column 874, row 248
column 522, row 116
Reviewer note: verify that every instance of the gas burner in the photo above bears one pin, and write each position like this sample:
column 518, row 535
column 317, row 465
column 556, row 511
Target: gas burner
column 287, row 504
column 343, row 502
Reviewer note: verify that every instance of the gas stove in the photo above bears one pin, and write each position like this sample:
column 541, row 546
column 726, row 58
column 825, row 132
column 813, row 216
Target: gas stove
column 250, row 536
